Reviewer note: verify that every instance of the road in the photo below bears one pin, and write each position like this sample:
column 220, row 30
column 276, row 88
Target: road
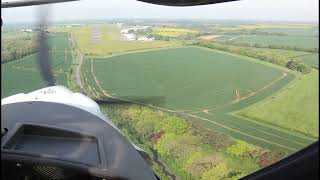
column 78, row 59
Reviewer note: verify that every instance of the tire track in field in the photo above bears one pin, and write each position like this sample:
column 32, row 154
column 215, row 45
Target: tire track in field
column 238, row 98
column 199, row 117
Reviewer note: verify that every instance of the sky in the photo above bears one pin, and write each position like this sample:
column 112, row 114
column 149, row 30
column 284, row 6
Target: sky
column 261, row 10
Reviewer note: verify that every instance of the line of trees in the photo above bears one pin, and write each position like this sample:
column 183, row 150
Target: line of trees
column 257, row 45
column 258, row 54
column 189, row 149
column 12, row 49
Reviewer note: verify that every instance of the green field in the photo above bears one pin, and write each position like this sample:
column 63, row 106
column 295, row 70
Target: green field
column 23, row 75
column 296, row 108
column 110, row 41
column 310, row 59
column 293, row 31
column 304, row 42
column 204, row 85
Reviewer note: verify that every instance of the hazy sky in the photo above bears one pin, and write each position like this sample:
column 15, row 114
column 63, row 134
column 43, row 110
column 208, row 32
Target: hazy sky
column 285, row 10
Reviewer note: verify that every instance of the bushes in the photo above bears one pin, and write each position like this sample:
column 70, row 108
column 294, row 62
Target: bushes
column 216, row 173
column 13, row 49
column 298, row 66
column 238, row 149
column 175, row 125
column 270, row 157
column 191, row 151
column 214, row 140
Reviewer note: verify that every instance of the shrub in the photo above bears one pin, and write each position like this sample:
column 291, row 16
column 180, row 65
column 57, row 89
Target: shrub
column 268, row 158
column 238, row 149
column 298, row 66
column 215, row 173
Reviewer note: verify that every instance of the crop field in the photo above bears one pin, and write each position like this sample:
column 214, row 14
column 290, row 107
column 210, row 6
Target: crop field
column 294, row 32
column 23, row 76
column 108, row 41
column 311, row 59
column 174, row 32
column 298, row 104
column 14, row 80
column 200, row 84
column 306, row 42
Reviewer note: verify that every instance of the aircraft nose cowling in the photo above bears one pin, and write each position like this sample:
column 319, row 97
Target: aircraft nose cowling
column 56, row 94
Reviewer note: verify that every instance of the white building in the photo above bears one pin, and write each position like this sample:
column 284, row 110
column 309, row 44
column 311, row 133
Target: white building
column 26, row 30
column 145, row 39
column 130, row 37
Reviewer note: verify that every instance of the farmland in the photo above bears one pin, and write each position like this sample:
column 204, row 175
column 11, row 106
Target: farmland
column 174, row 32
column 300, row 115
column 17, row 72
column 311, row 59
column 305, row 42
column 225, row 91
column 110, row 41
column 181, row 77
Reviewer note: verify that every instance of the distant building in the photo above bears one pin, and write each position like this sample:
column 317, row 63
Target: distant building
column 145, row 39
column 119, row 25
column 26, row 30
column 130, row 37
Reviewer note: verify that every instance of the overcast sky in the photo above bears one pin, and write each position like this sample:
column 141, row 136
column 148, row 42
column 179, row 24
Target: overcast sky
column 272, row 10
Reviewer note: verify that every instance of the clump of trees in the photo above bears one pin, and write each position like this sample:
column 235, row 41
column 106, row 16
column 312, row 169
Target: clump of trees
column 12, row 49
column 238, row 149
column 298, row 66
column 187, row 147
column 270, row 157
column 272, row 46
column 160, row 38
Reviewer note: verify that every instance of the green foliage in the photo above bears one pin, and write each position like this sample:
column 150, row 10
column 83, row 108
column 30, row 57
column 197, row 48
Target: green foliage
column 270, row 157
column 165, row 145
column 175, row 125
column 183, row 151
column 215, row 140
column 235, row 175
column 216, row 173
column 298, row 66
column 238, row 149
column 279, row 57
column 17, row 47
column 159, row 172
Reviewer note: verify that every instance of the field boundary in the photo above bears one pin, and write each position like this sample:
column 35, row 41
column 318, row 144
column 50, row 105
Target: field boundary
column 133, row 51
column 193, row 116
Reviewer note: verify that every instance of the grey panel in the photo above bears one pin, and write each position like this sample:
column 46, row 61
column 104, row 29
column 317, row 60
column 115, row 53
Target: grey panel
column 117, row 155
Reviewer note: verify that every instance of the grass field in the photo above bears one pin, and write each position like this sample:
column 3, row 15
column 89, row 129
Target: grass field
column 203, row 85
column 294, row 32
column 305, row 42
column 311, row 59
column 15, row 81
column 174, row 32
column 110, row 41
column 294, row 109
column 23, row 75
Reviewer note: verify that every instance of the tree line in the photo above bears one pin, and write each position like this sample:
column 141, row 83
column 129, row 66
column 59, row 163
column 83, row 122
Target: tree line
column 188, row 149
column 258, row 54
column 17, row 48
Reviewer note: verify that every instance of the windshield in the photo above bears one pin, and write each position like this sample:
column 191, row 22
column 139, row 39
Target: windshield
column 209, row 92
